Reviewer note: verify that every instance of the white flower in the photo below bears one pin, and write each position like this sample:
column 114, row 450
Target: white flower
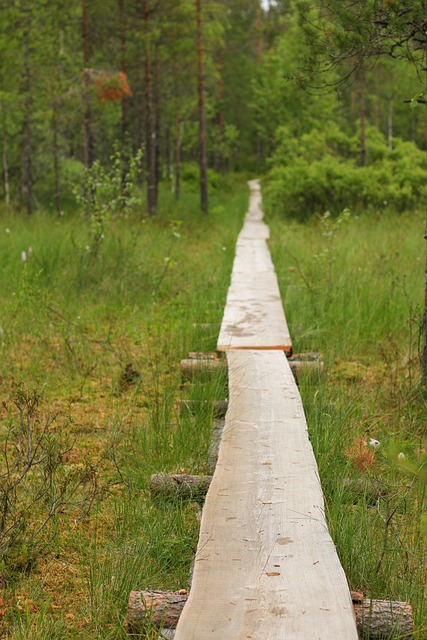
column 23, row 256
column 374, row 443
column 401, row 456
column 7, row 230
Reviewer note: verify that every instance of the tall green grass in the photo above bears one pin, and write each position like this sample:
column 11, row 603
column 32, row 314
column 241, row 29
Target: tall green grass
column 354, row 292
column 70, row 324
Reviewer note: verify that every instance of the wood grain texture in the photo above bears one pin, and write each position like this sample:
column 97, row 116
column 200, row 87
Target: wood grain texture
column 252, row 256
column 266, row 567
column 253, row 315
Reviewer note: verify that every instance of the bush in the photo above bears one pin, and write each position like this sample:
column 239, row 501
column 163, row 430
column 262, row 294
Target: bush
column 190, row 176
column 320, row 171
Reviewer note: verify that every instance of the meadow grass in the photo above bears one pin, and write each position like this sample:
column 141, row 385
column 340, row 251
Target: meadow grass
column 354, row 292
column 70, row 324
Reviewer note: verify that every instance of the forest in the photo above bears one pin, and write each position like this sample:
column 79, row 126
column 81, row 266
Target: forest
column 190, row 92
column 128, row 132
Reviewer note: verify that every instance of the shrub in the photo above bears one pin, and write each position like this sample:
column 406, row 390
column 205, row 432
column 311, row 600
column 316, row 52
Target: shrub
column 320, row 171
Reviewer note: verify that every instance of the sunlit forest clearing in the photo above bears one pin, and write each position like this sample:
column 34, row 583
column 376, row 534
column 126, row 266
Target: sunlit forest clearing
column 128, row 133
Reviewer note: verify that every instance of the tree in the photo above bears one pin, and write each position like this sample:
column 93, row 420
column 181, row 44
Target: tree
column 354, row 35
column 201, row 111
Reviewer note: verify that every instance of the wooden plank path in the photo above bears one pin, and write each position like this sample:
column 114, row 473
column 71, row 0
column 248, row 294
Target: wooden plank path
column 266, row 567
column 253, row 316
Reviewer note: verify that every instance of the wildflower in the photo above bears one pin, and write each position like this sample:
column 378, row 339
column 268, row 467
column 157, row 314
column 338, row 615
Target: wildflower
column 24, row 256
column 375, row 444
column 30, row 251
column 8, row 230
column 401, row 456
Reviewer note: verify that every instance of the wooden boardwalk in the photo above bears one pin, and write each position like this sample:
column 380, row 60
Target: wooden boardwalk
column 253, row 315
column 266, row 567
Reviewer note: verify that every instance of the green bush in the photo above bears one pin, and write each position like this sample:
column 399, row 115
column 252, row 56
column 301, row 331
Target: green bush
column 190, row 176
column 321, row 171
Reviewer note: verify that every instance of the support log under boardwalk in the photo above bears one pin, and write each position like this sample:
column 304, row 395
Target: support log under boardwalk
column 266, row 567
column 179, row 485
column 375, row 619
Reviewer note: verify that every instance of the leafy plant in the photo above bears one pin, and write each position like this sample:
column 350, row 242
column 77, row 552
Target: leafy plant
column 108, row 192
column 35, row 484
column 320, row 171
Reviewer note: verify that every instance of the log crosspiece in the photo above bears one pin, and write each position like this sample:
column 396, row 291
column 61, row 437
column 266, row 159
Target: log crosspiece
column 376, row 619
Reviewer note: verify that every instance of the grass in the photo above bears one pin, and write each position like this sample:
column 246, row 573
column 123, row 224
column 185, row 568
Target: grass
column 354, row 292
column 69, row 326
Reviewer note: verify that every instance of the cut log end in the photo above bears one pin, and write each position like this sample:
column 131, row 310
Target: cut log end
column 382, row 619
column 179, row 485
column 192, row 368
column 155, row 609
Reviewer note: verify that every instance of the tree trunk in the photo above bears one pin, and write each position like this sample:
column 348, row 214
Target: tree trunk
column 138, row 105
column 27, row 169
column 260, row 36
column 149, row 124
column 201, row 104
column 390, row 124
column 157, row 118
column 177, row 148
column 87, row 112
column 55, row 152
column 219, row 151
column 123, row 66
column 378, row 85
column 424, row 352
column 362, row 117
column 5, row 160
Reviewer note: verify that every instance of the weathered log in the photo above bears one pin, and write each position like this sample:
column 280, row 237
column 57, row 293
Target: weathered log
column 155, row 609
column 201, row 355
column 179, row 485
column 382, row 619
column 375, row 619
column 309, row 356
column 217, row 429
column 310, row 362
column 194, row 406
column 201, row 367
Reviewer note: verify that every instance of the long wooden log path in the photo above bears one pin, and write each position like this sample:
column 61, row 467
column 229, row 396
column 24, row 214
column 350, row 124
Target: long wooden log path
column 266, row 567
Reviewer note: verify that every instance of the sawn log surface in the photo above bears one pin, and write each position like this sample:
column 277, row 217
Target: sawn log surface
column 266, row 567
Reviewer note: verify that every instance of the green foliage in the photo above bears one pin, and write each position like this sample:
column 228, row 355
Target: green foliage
column 190, row 176
column 320, row 171
column 35, row 484
column 107, row 193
